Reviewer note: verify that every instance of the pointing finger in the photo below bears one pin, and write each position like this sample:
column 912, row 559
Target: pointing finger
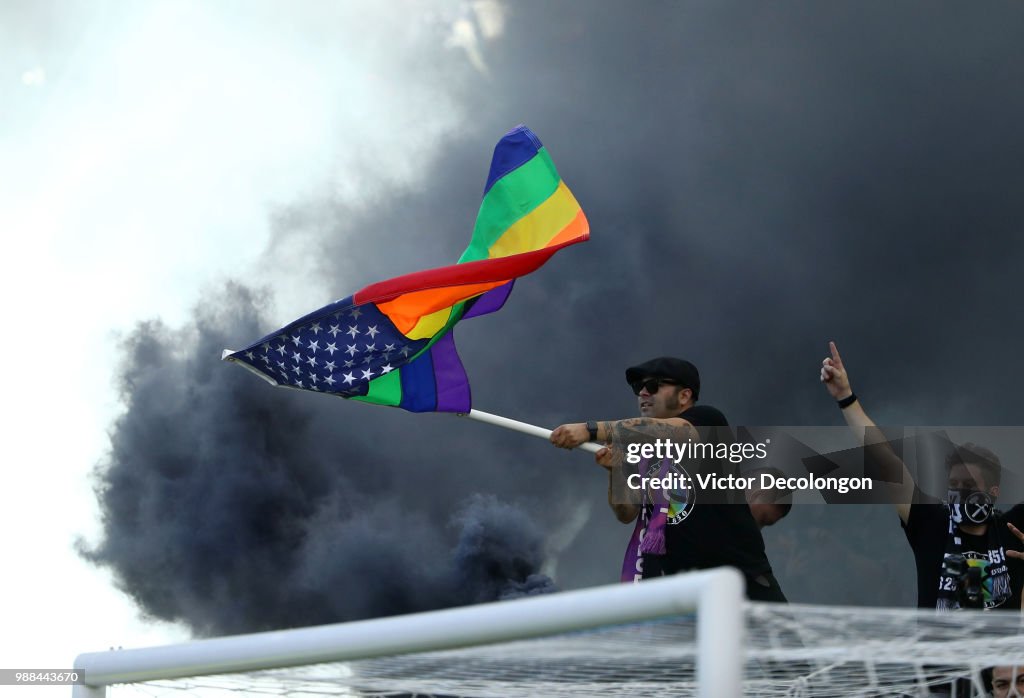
column 835, row 353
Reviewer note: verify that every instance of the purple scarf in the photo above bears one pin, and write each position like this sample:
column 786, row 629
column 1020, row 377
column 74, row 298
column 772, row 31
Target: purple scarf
column 648, row 537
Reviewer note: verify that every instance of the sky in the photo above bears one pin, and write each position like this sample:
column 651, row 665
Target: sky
column 178, row 178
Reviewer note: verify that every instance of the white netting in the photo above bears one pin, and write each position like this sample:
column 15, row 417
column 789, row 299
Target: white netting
column 791, row 650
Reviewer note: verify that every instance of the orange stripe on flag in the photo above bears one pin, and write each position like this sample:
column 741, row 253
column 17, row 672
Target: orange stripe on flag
column 406, row 310
column 579, row 228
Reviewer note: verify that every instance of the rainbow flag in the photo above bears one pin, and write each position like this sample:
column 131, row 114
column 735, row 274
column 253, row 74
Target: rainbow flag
column 391, row 343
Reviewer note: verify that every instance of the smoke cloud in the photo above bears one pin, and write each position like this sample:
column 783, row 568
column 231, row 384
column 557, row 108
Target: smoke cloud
column 759, row 180
column 234, row 508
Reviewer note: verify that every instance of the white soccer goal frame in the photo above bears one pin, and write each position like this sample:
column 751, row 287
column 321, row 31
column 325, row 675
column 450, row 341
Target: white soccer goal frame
column 717, row 597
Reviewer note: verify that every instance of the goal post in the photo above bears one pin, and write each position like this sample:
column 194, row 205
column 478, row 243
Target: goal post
column 715, row 595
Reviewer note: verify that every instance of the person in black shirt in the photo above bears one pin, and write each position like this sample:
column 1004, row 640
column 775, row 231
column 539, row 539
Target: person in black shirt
column 678, row 528
column 968, row 554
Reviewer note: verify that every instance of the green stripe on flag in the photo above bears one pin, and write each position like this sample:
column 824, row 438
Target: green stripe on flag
column 512, row 197
column 384, row 390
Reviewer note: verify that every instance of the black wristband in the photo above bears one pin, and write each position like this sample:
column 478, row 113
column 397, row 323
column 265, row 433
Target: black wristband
column 592, row 430
column 847, row 401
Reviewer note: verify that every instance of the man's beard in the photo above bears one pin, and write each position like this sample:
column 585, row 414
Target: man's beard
column 663, row 406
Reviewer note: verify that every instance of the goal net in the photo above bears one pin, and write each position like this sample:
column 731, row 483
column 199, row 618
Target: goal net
column 691, row 646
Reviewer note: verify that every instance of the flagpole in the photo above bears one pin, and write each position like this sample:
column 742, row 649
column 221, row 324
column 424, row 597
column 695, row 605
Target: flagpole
column 522, row 427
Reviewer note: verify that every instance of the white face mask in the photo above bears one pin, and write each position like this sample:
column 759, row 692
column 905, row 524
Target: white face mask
column 969, row 506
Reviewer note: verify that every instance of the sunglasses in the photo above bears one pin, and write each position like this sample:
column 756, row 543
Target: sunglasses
column 652, row 385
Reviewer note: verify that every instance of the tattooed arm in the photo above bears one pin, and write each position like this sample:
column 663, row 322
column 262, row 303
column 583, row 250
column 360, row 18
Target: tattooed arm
column 624, row 500
column 646, row 430
column 626, row 431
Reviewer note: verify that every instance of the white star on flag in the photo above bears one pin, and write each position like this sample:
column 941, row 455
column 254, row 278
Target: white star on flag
column 376, row 355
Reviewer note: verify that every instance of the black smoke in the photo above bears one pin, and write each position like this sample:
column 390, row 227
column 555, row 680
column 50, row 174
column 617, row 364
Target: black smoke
column 759, row 179
column 234, row 507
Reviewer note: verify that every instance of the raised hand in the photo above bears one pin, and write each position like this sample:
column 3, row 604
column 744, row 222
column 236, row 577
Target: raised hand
column 834, row 376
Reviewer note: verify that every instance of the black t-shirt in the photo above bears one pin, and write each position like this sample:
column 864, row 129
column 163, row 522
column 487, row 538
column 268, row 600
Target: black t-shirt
column 704, row 416
column 927, row 529
column 719, row 528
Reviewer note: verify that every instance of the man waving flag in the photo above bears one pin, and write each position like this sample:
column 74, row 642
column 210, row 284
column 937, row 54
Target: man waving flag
column 391, row 343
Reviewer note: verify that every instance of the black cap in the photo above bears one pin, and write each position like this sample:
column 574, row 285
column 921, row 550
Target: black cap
column 682, row 372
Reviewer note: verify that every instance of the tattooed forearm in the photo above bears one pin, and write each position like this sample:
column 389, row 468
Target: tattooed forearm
column 646, row 430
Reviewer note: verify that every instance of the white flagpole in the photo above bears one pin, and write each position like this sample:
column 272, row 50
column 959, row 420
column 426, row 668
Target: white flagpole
column 522, row 427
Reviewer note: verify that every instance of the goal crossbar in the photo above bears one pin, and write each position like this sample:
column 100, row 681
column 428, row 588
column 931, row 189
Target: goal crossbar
column 716, row 596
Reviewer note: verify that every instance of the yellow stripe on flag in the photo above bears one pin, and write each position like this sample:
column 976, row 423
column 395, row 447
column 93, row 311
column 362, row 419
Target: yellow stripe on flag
column 535, row 230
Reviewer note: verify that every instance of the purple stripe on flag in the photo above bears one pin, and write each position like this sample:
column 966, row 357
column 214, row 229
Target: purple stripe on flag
column 490, row 301
column 452, row 383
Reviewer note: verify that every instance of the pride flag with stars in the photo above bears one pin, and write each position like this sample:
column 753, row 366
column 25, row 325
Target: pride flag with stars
column 391, row 343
